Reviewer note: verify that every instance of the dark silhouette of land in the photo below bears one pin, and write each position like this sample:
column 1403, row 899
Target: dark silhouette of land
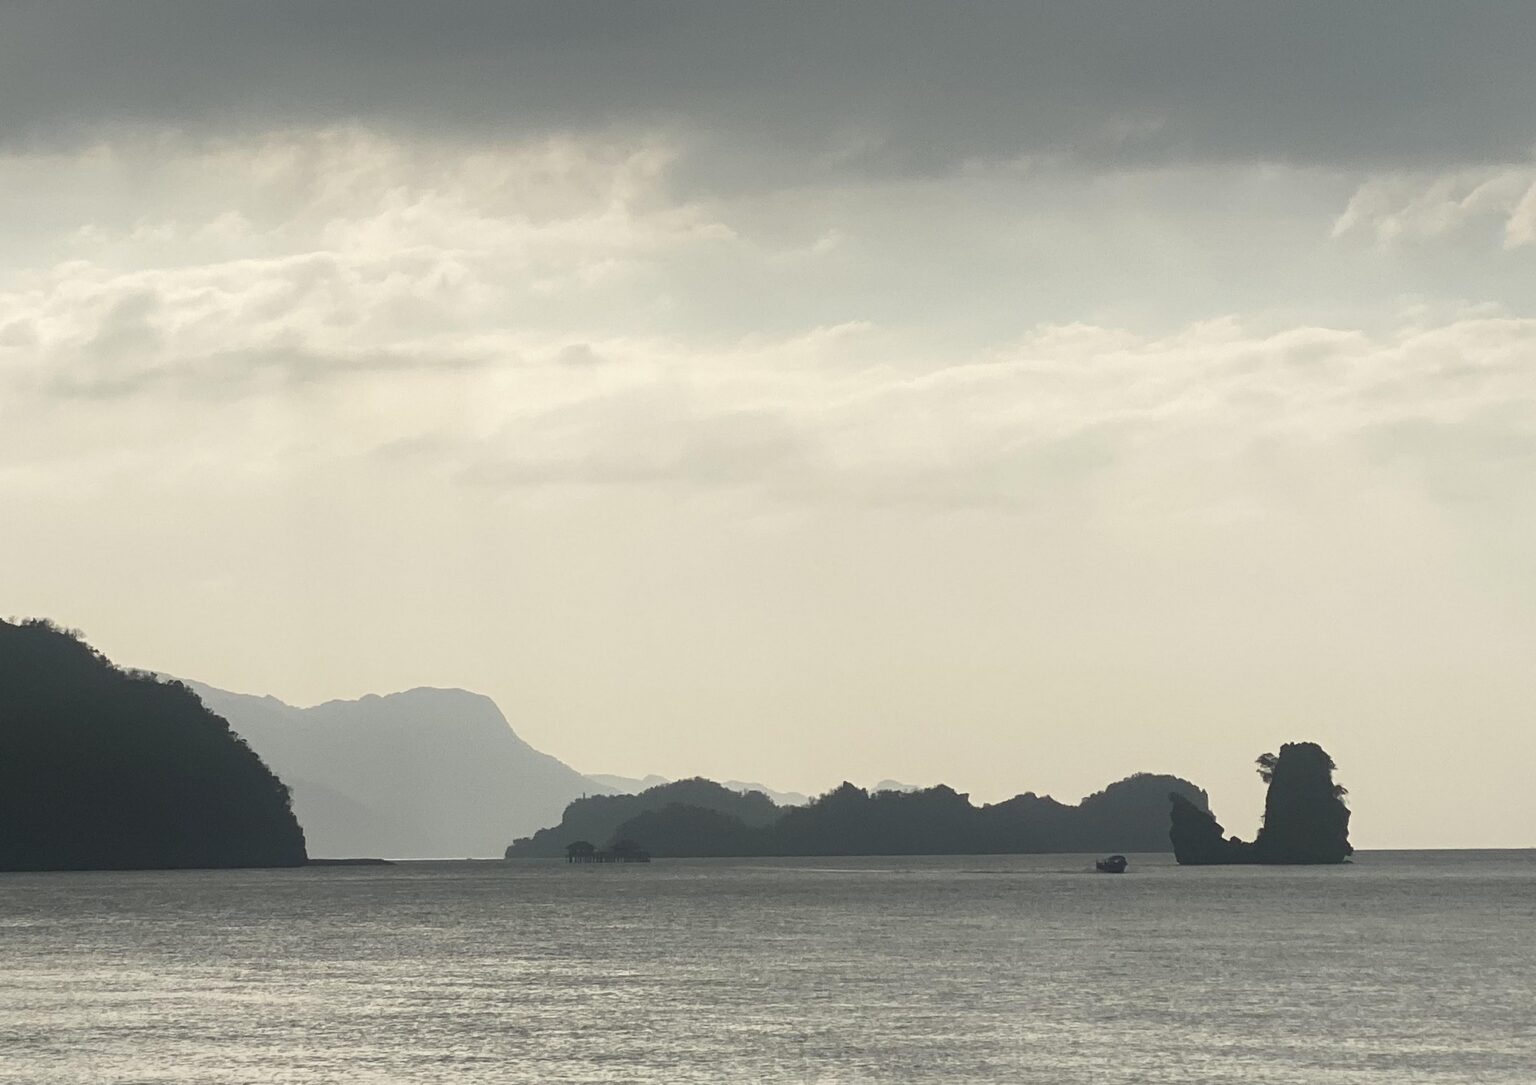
column 1305, row 818
column 700, row 818
column 601, row 817
column 106, row 769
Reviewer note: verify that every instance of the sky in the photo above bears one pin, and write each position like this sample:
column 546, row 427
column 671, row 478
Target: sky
column 1016, row 396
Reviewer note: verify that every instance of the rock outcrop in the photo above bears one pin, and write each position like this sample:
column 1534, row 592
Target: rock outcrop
column 1305, row 818
column 1199, row 840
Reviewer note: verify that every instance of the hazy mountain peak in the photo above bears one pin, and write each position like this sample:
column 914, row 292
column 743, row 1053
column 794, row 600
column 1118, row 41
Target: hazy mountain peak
column 421, row 772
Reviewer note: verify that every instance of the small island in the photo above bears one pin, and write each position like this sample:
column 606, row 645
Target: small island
column 1305, row 818
column 107, row 769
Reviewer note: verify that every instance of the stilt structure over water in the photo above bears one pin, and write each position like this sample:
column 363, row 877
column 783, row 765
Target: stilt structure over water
column 621, row 851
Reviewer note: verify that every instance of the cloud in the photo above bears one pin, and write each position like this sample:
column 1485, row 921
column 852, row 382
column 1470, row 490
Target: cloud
column 879, row 89
column 305, row 256
column 1071, row 420
column 1420, row 208
column 552, row 314
column 579, row 354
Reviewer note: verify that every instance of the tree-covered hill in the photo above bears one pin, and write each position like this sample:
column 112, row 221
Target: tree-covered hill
column 597, row 818
column 704, row 819
column 1129, row 815
column 106, row 769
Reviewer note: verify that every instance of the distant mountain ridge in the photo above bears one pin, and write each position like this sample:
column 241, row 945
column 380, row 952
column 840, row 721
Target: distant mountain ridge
column 633, row 785
column 424, row 773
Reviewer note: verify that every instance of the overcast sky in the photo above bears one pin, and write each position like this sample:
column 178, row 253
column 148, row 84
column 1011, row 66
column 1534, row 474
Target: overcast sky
column 1015, row 396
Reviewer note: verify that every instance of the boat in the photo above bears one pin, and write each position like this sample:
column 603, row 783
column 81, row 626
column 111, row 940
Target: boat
column 1114, row 864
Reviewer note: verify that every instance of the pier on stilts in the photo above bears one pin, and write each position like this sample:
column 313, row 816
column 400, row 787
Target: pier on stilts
column 621, row 851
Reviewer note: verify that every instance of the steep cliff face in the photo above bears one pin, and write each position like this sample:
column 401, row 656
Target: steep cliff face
column 103, row 769
column 1199, row 840
column 1305, row 819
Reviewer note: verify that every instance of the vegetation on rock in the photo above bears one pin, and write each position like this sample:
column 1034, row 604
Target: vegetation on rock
column 107, row 769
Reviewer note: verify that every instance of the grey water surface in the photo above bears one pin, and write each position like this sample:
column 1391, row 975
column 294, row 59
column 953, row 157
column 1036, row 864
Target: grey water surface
column 1403, row 967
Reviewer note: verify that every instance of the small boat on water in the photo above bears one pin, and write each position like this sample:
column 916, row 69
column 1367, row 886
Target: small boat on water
column 1115, row 864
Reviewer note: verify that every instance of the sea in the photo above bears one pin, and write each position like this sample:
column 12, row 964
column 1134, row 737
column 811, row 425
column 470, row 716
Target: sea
column 1401, row 967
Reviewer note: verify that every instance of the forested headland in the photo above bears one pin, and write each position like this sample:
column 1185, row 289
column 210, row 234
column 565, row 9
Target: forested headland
column 107, row 769
column 701, row 818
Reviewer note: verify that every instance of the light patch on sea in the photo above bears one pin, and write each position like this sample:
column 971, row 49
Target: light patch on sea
column 1400, row 968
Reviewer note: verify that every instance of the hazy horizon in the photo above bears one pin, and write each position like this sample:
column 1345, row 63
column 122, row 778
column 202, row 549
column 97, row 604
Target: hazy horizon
column 1015, row 396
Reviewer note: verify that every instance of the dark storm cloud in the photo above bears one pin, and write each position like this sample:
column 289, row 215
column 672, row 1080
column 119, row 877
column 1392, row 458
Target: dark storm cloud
column 886, row 87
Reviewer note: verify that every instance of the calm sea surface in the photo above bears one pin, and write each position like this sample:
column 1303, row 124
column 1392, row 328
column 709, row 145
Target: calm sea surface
column 1404, row 967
